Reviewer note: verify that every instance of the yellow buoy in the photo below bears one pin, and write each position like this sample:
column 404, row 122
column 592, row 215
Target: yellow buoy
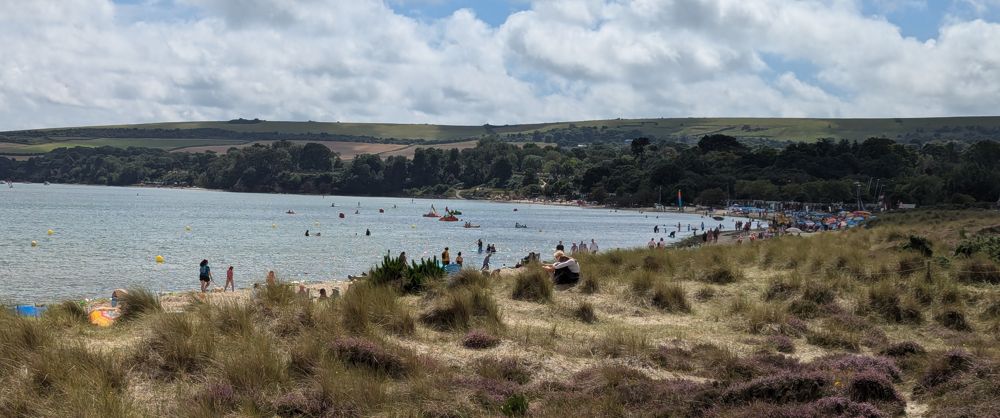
column 51, row 232
column 317, row 223
column 159, row 259
column 187, row 228
column 274, row 226
column 34, row 243
column 413, row 226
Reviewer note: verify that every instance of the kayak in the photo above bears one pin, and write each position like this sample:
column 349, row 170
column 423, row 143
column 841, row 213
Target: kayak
column 449, row 218
column 471, row 226
column 431, row 215
column 718, row 218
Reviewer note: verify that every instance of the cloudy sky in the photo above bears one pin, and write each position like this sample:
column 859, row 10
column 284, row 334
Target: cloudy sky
column 89, row 62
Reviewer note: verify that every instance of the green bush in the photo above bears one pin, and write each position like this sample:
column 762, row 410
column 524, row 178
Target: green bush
column 411, row 278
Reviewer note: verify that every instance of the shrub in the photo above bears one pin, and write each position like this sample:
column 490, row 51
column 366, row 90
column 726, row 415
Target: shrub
column 857, row 364
column 818, row 294
column 650, row 263
column 619, row 342
column 508, row 368
column 766, row 318
column 986, row 244
column 842, row 407
column 780, row 290
column 992, row 310
column 252, row 365
column 176, row 345
column 642, row 282
column 589, row 285
column 532, row 285
column 805, row 309
column 276, row 294
column 722, row 275
column 953, row 319
column 461, row 307
column 944, row 368
column 585, row 312
column 411, row 278
column 834, row 339
column 781, row 343
column 138, row 302
column 979, row 271
column 883, row 299
column 478, row 339
column 366, row 305
column 704, row 294
column 365, row 353
column 515, row 405
column 919, row 244
column 469, row 277
column 903, row 349
column 780, row 388
column 869, row 386
column 671, row 298
column 67, row 314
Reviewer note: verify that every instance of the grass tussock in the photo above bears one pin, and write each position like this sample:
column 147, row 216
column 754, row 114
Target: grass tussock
column 67, row 314
column 671, row 297
column 138, row 302
column 533, row 285
column 469, row 278
column 462, row 308
column 584, row 312
column 367, row 306
column 479, row 339
column 177, row 345
column 621, row 342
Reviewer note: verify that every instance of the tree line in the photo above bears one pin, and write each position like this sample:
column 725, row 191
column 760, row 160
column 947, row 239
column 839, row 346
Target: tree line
column 626, row 173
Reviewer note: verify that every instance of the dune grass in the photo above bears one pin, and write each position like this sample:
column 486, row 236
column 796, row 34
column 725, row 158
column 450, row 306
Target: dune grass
column 825, row 325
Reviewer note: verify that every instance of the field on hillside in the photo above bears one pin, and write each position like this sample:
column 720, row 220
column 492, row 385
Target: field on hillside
column 161, row 143
column 872, row 322
column 777, row 129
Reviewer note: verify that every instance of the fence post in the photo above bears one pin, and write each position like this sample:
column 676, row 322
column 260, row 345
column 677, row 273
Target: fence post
column 927, row 276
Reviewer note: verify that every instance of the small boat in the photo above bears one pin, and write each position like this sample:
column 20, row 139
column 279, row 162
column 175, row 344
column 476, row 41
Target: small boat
column 718, row 218
column 432, row 214
column 448, row 218
column 520, row 226
column 469, row 225
column 455, row 212
column 46, row 183
column 515, row 209
column 290, row 212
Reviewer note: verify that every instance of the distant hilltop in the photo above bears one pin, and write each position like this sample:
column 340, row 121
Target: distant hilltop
column 754, row 131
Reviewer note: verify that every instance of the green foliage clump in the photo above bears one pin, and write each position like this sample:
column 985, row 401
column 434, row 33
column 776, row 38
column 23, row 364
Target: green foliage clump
column 411, row 278
column 987, row 244
column 919, row 244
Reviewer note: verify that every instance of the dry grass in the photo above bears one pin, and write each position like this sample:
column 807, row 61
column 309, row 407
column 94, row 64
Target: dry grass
column 693, row 332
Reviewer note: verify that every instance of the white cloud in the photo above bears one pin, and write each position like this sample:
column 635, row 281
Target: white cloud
column 80, row 62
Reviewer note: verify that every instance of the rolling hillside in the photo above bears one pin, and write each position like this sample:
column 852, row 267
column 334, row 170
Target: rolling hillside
column 219, row 135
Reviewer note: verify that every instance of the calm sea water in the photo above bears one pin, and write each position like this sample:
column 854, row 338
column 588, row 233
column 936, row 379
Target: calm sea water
column 108, row 237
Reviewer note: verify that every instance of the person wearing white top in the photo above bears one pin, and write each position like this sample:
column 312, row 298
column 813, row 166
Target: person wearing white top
column 565, row 270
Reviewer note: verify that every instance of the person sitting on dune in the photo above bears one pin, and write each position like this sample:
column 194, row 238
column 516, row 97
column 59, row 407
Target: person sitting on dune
column 565, row 270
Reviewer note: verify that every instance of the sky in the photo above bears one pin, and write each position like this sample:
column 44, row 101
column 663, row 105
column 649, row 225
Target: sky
column 471, row 62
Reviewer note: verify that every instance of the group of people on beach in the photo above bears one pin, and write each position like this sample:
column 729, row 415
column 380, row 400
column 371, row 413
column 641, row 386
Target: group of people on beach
column 205, row 277
column 582, row 248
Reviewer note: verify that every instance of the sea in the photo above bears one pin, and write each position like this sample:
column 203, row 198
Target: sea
column 104, row 238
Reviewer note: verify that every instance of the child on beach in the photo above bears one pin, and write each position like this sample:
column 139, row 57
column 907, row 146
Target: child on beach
column 229, row 280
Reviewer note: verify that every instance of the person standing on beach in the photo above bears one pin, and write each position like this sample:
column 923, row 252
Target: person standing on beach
column 593, row 246
column 479, row 245
column 459, row 260
column 204, row 275
column 445, row 256
column 486, row 261
column 573, row 248
column 229, row 280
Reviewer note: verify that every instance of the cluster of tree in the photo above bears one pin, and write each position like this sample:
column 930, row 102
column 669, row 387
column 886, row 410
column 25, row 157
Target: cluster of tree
column 641, row 172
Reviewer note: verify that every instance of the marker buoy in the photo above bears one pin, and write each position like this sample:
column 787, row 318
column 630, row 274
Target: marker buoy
column 159, row 259
column 34, row 243
column 274, row 226
column 50, row 232
column 413, row 226
column 187, row 228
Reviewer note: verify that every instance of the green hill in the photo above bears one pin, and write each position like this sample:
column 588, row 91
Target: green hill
column 181, row 135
